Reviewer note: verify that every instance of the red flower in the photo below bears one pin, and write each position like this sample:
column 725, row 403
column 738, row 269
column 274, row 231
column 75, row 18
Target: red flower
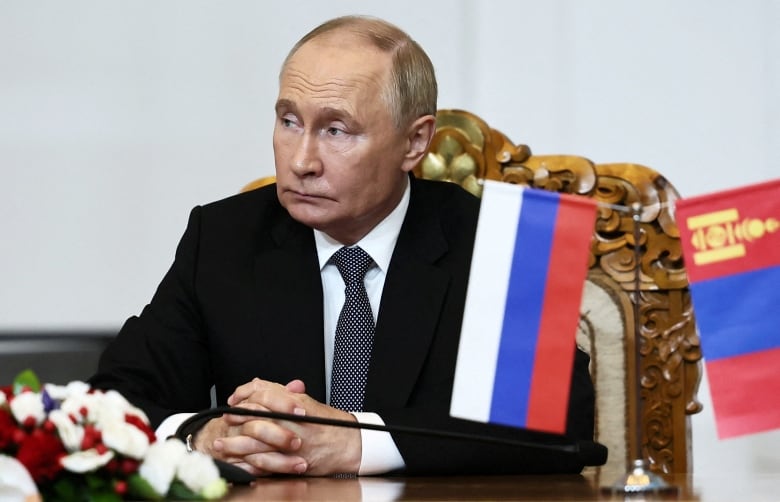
column 129, row 465
column 8, row 430
column 41, row 453
column 120, row 487
column 144, row 427
column 8, row 390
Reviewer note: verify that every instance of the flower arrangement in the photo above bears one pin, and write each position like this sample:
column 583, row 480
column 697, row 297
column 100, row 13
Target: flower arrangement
column 79, row 443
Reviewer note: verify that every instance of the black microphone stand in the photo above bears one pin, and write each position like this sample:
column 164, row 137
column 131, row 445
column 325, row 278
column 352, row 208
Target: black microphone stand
column 591, row 452
column 194, row 422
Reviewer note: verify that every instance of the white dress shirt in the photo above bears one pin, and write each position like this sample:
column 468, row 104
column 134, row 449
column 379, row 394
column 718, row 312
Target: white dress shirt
column 379, row 452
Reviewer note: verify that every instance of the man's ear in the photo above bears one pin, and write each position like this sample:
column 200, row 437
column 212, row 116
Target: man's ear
column 419, row 137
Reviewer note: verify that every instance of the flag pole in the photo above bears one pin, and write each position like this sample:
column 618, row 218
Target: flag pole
column 639, row 478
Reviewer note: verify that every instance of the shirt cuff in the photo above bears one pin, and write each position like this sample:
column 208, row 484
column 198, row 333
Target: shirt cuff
column 379, row 453
column 169, row 426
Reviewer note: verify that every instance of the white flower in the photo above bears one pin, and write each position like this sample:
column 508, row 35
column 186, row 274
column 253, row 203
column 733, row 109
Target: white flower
column 216, row 490
column 71, row 434
column 113, row 407
column 15, row 481
column 81, row 406
column 197, row 471
column 56, row 392
column 118, row 401
column 86, row 461
column 125, row 438
column 159, row 466
column 28, row 404
column 60, row 392
column 101, row 417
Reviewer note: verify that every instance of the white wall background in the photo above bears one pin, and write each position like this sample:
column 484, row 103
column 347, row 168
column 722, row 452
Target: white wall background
column 117, row 117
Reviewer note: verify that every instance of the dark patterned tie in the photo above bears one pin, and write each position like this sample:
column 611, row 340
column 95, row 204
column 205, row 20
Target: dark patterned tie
column 354, row 332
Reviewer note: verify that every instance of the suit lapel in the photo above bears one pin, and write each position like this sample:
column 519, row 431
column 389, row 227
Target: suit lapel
column 292, row 296
column 412, row 299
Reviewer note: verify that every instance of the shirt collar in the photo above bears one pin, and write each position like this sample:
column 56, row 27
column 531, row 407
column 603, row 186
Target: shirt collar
column 378, row 243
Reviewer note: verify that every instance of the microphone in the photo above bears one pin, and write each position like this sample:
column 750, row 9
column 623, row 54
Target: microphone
column 591, row 452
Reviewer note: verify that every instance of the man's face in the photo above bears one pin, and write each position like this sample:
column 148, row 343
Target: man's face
column 341, row 163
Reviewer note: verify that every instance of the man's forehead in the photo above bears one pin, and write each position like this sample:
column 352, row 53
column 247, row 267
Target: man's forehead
column 326, row 91
column 324, row 68
column 322, row 76
column 348, row 48
column 342, row 38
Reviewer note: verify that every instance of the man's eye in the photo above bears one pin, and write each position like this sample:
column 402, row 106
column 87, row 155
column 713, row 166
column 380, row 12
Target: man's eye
column 334, row 131
column 287, row 122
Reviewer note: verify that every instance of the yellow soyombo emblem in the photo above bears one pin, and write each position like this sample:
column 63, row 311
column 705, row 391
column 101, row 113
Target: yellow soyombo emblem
column 720, row 235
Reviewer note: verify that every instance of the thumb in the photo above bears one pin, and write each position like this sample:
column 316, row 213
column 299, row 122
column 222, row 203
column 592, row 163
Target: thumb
column 296, row 386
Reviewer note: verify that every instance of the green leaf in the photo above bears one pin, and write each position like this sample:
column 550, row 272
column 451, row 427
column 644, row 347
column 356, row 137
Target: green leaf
column 104, row 496
column 138, row 487
column 63, row 489
column 26, row 379
column 99, row 488
column 179, row 491
column 96, row 482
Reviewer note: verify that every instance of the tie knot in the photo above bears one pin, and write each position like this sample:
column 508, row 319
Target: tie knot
column 353, row 263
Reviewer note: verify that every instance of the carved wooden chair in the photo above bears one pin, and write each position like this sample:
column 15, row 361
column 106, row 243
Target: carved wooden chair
column 636, row 292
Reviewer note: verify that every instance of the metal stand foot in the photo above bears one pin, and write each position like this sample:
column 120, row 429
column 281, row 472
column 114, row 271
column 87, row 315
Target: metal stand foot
column 640, row 481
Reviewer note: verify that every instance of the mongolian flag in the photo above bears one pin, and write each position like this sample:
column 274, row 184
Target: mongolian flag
column 731, row 245
column 522, row 308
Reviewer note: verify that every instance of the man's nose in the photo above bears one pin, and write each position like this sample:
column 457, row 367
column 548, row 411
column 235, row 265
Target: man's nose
column 306, row 158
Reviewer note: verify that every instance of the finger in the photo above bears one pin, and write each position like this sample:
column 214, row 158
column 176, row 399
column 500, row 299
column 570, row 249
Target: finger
column 237, row 447
column 296, row 386
column 244, row 391
column 239, row 420
column 277, row 399
column 272, row 434
column 234, row 419
column 251, row 469
column 242, row 464
column 269, row 395
column 259, row 436
column 278, row 463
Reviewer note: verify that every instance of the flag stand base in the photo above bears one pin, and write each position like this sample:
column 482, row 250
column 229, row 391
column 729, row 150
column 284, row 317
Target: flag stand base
column 640, row 480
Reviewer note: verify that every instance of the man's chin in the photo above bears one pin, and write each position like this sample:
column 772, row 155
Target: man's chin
column 311, row 215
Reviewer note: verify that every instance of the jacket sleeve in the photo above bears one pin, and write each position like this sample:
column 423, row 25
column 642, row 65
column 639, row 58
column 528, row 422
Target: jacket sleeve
column 147, row 361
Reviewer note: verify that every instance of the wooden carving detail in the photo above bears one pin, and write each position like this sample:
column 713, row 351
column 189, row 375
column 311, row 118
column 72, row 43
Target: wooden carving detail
column 466, row 151
column 669, row 345
column 635, row 242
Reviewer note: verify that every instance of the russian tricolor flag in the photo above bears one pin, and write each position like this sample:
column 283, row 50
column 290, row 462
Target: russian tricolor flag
column 731, row 245
column 522, row 307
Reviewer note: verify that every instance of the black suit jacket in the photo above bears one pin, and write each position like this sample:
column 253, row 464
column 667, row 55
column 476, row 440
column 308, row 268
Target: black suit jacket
column 243, row 299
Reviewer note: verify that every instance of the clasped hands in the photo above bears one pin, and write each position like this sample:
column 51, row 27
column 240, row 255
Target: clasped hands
column 264, row 446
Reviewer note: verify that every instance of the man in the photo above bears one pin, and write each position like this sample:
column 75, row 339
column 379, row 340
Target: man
column 252, row 301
